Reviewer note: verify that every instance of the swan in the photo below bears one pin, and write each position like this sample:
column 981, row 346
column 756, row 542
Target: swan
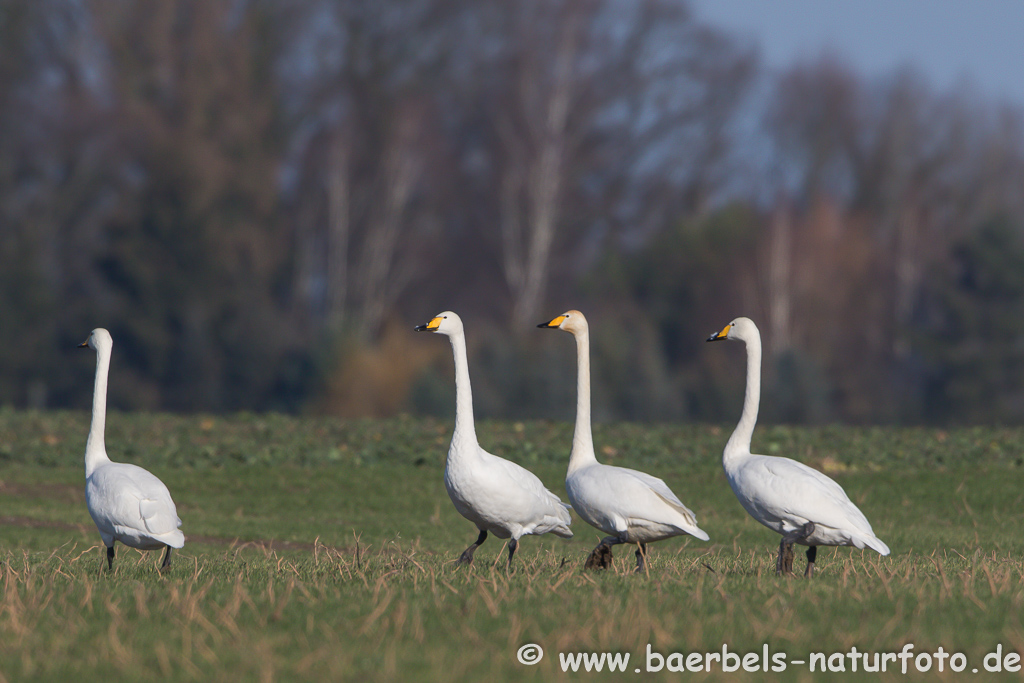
column 630, row 506
column 792, row 499
column 127, row 503
column 497, row 495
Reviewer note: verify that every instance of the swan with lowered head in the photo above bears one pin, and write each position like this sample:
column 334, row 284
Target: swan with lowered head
column 497, row 495
column 799, row 502
column 127, row 503
column 630, row 506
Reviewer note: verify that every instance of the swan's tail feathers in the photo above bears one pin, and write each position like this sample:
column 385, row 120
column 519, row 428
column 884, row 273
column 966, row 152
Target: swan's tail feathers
column 562, row 531
column 561, row 514
column 869, row 540
column 175, row 540
column 550, row 525
column 877, row 545
column 162, row 522
column 689, row 521
column 561, row 528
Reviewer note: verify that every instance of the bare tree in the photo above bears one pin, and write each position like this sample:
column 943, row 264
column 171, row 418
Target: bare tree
column 365, row 122
column 779, row 290
column 400, row 173
column 617, row 111
column 538, row 140
column 339, row 224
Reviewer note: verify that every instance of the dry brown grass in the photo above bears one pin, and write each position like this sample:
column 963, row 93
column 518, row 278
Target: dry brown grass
column 384, row 612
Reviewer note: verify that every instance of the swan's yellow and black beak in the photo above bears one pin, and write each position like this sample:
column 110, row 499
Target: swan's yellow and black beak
column 555, row 322
column 84, row 344
column 719, row 336
column 429, row 327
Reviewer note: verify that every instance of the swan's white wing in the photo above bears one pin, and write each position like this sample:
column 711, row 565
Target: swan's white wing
column 527, row 488
column 789, row 490
column 660, row 487
column 621, row 501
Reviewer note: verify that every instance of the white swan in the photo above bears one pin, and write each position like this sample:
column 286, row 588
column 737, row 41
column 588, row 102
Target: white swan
column 127, row 503
column 799, row 502
column 630, row 506
column 497, row 495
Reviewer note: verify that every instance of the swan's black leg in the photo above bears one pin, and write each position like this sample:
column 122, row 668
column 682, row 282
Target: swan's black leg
column 467, row 554
column 601, row 556
column 812, row 552
column 110, row 557
column 512, row 545
column 641, row 557
column 167, row 559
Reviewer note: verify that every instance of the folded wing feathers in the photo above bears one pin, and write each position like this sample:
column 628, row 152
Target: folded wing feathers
column 157, row 517
column 661, row 489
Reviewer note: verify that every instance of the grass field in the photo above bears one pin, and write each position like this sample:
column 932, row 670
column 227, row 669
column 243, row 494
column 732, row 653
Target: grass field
column 322, row 550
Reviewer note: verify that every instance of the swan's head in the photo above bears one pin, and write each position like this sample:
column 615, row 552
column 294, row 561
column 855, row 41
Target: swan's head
column 443, row 323
column 98, row 339
column 571, row 321
column 742, row 329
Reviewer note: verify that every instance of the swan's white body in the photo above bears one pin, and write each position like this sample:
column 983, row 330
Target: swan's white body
column 780, row 493
column 631, row 506
column 497, row 495
column 501, row 497
column 127, row 503
column 784, row 495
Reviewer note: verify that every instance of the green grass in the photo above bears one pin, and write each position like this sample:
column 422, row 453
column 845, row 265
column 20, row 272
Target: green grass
column 321, row 550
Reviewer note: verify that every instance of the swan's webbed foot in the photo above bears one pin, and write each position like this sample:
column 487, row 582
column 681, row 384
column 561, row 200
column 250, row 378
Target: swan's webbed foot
column 784, row 563
column 167, row 559
column 110, row 557
column 601, row 556
column 641, row 557
column 467, row 554
column 812, row 553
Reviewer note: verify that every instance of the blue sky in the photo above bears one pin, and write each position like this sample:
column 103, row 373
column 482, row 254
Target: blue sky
column 952, row 42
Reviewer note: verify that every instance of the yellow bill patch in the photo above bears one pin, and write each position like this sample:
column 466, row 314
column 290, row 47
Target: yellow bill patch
column 435, row 323
column 723, row 334
column 557, row 321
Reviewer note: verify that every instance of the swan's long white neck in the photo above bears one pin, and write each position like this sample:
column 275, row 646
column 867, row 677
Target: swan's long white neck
column 465, row 430
column 583, row 438
column 95, row 449
column 739, row 443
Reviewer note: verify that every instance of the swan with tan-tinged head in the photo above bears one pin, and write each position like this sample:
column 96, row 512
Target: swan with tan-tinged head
column 792, row 499
column 497, row 495
column 630, row 506
column 127, row 503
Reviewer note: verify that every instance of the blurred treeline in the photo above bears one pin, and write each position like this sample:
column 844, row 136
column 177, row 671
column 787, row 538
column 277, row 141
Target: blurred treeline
column 261, row 198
